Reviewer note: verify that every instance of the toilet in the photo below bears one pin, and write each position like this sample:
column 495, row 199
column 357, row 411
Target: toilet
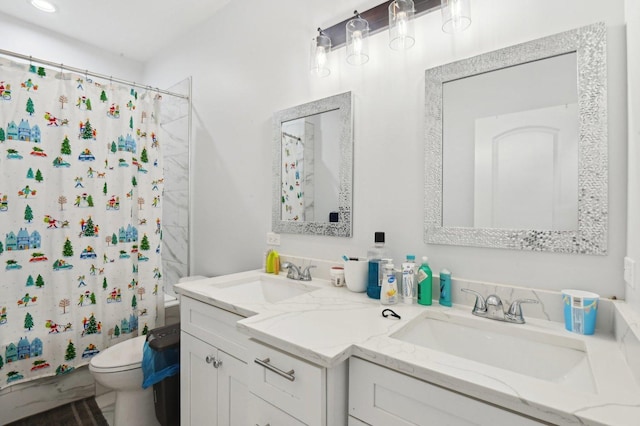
column 120, row 368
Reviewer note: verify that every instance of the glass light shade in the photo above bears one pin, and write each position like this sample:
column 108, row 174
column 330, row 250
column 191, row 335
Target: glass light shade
column 456, row 15
column 357, row 41
column 401, row 31
column 320, row 48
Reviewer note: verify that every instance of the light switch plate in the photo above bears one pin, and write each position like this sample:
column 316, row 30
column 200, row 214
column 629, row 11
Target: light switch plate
column 629, row 271
column 273, row 239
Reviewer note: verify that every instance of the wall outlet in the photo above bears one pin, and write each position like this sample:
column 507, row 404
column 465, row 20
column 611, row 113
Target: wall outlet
column 273, row 239
column 629, row 271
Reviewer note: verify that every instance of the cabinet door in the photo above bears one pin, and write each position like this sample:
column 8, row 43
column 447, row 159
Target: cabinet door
column 198, row 379
column 233, row 391
column 380, row 396
column 261, row 413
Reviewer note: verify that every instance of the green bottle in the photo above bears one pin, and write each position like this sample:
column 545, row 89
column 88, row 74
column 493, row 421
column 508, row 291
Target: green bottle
column 425, row 283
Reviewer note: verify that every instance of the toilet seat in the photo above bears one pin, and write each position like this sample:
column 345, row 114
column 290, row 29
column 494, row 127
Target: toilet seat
column 123, row 356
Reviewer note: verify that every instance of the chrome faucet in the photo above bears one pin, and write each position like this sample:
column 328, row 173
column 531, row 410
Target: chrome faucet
column 294, row 273
column 492, row 308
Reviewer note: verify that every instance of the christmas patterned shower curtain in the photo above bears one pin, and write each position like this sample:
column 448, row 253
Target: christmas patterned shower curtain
column 80, row 211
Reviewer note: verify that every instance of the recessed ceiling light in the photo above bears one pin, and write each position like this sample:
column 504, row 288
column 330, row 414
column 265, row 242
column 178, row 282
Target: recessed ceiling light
column 43, row 5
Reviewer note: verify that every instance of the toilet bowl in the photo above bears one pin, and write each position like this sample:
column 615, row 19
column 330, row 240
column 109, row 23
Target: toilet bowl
column 120, row 368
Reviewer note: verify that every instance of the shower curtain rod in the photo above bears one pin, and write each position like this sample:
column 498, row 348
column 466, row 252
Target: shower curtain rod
column 91, row 73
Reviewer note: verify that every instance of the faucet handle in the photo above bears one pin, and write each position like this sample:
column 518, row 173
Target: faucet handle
column 480, row 305
column 514, row 314
column 293, row 271
column 306, row 274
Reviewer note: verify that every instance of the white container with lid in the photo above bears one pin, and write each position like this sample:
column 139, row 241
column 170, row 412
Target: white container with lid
column 337, row 276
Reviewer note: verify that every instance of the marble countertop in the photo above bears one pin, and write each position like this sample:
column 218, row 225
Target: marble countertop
column 328, row 325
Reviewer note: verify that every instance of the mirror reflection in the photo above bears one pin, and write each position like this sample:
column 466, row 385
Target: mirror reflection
column 310, row 167
column 510, row 152
column 313, row 168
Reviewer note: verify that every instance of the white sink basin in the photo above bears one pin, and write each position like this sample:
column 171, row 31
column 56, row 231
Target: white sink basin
column 263, row 289
column 517, row 348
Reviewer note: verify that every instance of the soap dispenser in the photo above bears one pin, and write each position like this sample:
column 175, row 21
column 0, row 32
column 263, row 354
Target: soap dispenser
column 389, row 291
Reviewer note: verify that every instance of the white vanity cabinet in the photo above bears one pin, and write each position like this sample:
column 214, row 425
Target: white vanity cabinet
column 213, row 366
column 381, row 396
column 287, row 390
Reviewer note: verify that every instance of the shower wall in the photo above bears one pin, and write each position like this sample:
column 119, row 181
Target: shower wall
column 175, row 216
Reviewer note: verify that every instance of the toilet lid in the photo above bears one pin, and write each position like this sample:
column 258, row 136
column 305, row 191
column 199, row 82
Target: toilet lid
column 123, row 356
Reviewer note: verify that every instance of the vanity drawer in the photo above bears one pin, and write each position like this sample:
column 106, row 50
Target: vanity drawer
column 261, row 413
column 214, row 326
column 289, row 383
column 381, row 396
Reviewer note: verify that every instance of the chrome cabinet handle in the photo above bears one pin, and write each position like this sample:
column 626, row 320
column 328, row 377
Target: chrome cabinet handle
column 213, row 360
column 289, row 375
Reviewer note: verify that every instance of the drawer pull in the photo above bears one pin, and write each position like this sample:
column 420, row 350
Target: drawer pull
column 209, row 359
column 289, row 375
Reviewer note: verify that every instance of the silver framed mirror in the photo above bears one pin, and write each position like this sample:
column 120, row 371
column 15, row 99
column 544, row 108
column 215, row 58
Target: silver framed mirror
column 313, row 168
column 516, row 147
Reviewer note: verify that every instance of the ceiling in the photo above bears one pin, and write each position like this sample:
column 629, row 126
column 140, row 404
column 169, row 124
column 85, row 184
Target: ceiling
column 136, row 29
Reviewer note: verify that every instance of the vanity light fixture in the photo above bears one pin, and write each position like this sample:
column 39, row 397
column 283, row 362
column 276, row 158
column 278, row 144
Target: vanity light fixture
column 43, row 5
column 397, row 16
column 320, row 48
column 401, row 31
column 357, row 30
column 456, row 15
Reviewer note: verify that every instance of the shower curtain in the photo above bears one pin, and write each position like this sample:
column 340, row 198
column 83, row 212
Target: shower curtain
column 80, row 218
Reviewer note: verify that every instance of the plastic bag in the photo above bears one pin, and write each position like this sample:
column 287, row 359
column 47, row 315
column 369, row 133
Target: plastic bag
column 158, row 365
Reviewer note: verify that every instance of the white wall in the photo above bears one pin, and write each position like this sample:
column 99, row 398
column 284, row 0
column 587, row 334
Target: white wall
column 633, row 212
column 252, row 60
column 24, row 38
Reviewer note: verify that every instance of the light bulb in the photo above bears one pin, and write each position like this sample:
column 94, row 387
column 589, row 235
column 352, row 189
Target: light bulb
column 401, row 31
column 357, row 31
column 456, row 14
column 321, row 57
column 402, row 24
column 320, row 48
column 357, row 42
